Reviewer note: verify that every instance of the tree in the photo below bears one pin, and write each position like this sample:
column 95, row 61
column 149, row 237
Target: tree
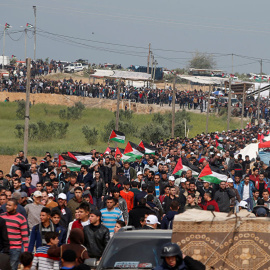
column 202, row 61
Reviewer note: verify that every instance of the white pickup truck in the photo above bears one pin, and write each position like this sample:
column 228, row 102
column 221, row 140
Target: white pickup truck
column 74, row 67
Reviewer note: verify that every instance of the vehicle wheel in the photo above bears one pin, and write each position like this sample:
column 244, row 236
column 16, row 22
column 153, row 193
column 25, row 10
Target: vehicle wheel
column 72, row 71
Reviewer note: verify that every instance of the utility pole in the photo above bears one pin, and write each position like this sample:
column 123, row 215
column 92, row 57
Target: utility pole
column 229, row 103
column 259, row 95
column 173, row 106
column 25, row 43
column 4, row 41
column 27, row 101
column 208, row 109
column 243, row 106
column 118, row 104
column 35, row 32
column 148, row 58
column 154, row 74
column 117, row 108
column 232, row 63
column 152, row 62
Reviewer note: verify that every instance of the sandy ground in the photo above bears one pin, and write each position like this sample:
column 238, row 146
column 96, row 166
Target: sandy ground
column 7, row 161
column 56, row 99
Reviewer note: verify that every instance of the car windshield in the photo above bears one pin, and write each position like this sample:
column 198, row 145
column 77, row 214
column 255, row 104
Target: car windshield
column 137, row 253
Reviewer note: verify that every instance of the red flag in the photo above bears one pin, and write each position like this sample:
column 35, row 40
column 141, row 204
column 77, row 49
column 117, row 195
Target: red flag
column 107, row 150
column 118, row 152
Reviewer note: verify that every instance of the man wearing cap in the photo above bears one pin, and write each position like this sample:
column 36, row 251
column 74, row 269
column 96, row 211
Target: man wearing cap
column 151, row 223
column 33, row 210
column 127, row 195
column 139, row 177
column 96, row 235
column 172, row 184
column 243, row 210
column 66, row 214
column 237, row 198
column 51, row 203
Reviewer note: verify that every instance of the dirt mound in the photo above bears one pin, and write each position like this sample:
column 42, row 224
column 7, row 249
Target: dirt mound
column 56, row 99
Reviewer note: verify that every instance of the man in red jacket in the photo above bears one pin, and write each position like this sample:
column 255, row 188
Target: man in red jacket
column 127, row 195
column 208, row 201
column 84, row 213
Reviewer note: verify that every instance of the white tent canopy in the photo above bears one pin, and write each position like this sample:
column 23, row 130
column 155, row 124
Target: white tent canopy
column 203, row 79
column 119, row 74
column 251, row 150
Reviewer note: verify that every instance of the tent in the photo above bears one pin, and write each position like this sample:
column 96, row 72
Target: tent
column 223, row 241
column 251, row 150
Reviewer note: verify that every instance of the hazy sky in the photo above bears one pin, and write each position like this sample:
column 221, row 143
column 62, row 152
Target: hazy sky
column 223, row 27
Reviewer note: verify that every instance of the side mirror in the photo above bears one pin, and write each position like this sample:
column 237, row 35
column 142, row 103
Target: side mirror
column 92, row 262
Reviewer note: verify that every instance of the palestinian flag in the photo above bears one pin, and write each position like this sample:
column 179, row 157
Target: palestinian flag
column 29, row 25
column 7, row 26
column 147, row 148
column 117, row 136
column 210, row 176
column 219, row 141
column 179, row 168
column 108, row 150
column 83, row 158
column 132, row 152
column 72, row 164
column 118, row 152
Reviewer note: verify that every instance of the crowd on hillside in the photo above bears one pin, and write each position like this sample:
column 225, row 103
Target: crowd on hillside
column 196, row 99
column 57, row 214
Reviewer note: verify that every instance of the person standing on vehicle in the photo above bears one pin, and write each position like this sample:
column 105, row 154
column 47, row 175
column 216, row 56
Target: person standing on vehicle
column 96, row 236
column 173, row 259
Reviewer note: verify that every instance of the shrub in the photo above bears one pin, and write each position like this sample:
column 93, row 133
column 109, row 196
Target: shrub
column 20, row 112
column 74, row 112
column 91, row 135
column 42, row 131
column 125, row 115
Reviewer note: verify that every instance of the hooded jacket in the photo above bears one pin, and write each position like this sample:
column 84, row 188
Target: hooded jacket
column 167, row 221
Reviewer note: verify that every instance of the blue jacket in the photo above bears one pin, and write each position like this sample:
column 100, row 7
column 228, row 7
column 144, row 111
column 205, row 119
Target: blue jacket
column 62, row 234
column 36, row 237
column 167, row 221
column 241, row 189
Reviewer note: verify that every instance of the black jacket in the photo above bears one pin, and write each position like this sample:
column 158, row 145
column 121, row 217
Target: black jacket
column 66, row 216
column 168, row 200
column 95, row 239
column 136, row 213
column 98, row 188
column 4, row 241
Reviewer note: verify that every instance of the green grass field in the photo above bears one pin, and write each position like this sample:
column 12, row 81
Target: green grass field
column 75, row 140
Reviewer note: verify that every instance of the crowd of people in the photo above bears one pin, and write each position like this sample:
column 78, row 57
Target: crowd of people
column 195, row 99
column 54, row 211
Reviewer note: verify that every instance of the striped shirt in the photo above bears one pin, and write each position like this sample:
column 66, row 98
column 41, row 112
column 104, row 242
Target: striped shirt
column 43, row 261
column 17, row 230
column 109, row 217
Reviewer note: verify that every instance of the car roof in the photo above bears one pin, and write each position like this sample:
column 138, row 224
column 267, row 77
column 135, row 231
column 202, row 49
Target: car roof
column 153, row 234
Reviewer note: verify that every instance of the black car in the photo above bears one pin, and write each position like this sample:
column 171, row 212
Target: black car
column 135, row 249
